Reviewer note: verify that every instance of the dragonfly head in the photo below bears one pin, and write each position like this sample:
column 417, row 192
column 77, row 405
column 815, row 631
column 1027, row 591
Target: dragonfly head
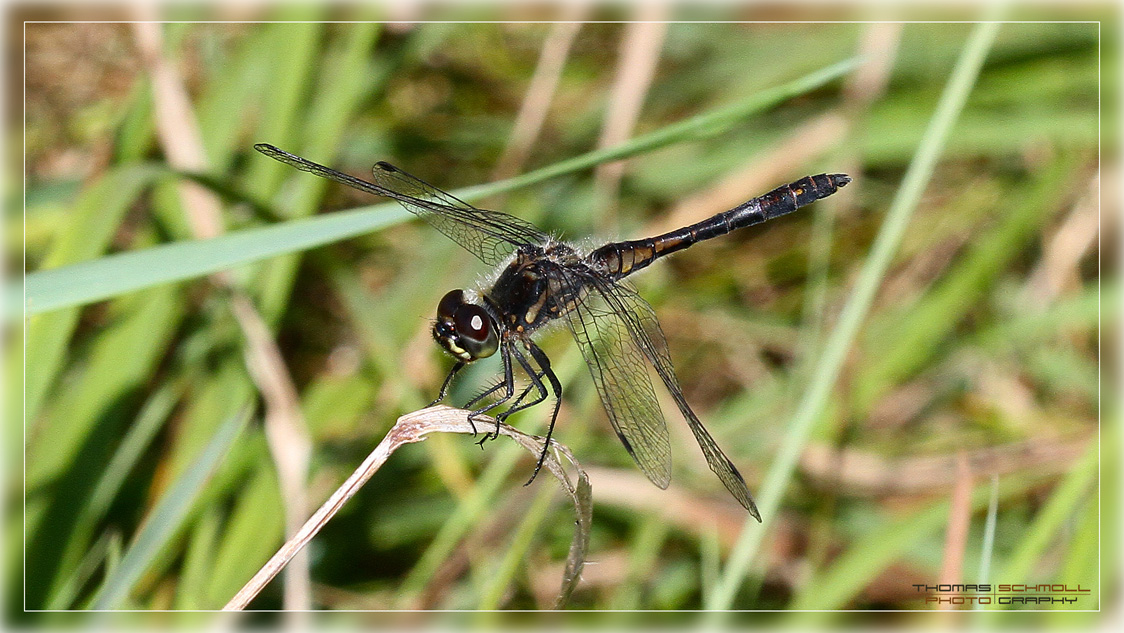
column 464, row 329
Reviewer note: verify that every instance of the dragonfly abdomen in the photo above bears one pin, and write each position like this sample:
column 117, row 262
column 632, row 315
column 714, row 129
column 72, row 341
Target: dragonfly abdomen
column 619, row 259
column 786, row 199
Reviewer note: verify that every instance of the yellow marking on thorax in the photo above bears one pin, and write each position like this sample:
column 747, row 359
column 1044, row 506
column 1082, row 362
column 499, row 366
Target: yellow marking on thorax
column 533, row 311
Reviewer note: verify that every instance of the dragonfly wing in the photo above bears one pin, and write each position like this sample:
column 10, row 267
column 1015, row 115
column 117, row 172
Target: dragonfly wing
column 489, row 235
column 621, row 377
column 304, row 164
column 644, row 329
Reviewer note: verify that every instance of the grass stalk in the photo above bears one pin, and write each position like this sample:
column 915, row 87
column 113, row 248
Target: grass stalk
column 827, row 370
column 107, row 277
column 167, row 515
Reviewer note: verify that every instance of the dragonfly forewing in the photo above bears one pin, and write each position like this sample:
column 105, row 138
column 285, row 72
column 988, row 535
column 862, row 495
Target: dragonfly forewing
column 489, row 235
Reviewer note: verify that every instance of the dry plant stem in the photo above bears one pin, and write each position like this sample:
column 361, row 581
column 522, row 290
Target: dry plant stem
column 289, row 442
column 540, row 93
column 639, row 55
column 959, row 516
column 857, row 473
column 879, row 45
column 1065, row 249
column 410, row 428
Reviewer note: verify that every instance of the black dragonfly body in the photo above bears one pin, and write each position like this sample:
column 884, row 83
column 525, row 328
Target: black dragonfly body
column 541, row 280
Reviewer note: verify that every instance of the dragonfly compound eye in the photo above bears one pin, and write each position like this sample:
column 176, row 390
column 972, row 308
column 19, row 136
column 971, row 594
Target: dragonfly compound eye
column 477, row 333
column 464, row 329
column 449, row 304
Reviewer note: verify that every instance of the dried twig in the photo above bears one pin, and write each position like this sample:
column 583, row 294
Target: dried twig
column 414, row 427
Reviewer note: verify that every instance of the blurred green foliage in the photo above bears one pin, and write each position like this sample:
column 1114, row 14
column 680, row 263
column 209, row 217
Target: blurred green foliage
column 982, row 341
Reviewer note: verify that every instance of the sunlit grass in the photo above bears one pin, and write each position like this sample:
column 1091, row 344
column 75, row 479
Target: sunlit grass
column 135, row 364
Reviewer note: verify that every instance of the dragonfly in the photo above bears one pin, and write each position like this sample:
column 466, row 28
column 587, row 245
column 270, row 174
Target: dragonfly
column 539, row 280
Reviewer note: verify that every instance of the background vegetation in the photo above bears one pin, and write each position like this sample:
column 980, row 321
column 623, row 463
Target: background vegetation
column 958, row 441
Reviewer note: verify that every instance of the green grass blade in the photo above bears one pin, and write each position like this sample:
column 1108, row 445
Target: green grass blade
column 293, row 48
column 167, row 515
column 836, row 586
column 904, row 348
column 1108, row 522
column 248, row 538
column 498, row 581
column 143, row 327
column 95, row 217
column 68, row 449
column 983, row 576
column 139, row 435
column 1081, row 569
column 1061, row 507
column 230, row 98
column 199, row 560
column 91, row 560
column 126, row 272
column 827, row 370
column 337, row 99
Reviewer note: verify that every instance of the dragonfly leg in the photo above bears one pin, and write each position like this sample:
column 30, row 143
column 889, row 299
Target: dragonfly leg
column 508, row 386
column 448, row 380
column 494, row 388
column 544, row 364
column 484, row 394
column 536, row 385
column 514, row 407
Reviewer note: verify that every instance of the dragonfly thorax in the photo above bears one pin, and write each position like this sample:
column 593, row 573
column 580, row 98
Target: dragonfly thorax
column 532, row 291
column 465, row 329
